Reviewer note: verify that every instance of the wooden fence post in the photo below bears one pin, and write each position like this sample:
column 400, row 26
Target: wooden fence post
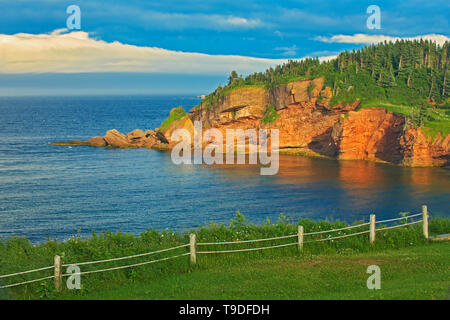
column 58, row 273
column 425, row 221
column 300, row 238
column 192, row 246
column 372, row 228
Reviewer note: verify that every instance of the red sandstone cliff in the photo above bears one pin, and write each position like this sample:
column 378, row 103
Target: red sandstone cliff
column 418, row 150
column 307, row 125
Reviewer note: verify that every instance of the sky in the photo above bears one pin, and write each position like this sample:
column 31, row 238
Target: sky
column 187, row 47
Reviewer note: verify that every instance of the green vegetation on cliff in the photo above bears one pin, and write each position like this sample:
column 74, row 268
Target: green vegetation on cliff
column 270, row 115
column 213, row 99
column 175, row 114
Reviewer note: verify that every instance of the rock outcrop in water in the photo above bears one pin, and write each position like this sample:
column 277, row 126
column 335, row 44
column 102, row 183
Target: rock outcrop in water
column 134, row 139
column 306, row 124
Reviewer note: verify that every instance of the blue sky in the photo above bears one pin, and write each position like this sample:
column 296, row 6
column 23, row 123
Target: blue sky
column 272, row 30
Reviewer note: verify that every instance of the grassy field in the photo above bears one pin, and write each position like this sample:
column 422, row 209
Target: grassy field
column 324, row 269
column 420, row 272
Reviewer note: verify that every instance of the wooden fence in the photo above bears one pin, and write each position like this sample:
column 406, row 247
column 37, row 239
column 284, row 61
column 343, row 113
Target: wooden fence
column 193, row 246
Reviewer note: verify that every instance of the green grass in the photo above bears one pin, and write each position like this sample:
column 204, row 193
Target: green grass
column 18, row 254
column 420, row 272
column 437, row 123
column 394, row 108
column 175, row 114
column 284, row 79
column 228, row 90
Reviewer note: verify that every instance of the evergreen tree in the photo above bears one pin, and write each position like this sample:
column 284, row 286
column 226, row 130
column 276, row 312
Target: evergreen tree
column 406, row 72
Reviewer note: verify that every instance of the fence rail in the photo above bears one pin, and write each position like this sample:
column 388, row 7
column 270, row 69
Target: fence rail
column 25, row 272
column 26, row 282
column 58, row 266
column 249, row 249
column 340, row 229
column 339, row 237
column 127, row 257
column 401, row 218
column 129, row 266
column 400, row 225
column 245, row 241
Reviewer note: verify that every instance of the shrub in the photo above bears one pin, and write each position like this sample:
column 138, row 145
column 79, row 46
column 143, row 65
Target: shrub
column 175, row 114
column 270, row 115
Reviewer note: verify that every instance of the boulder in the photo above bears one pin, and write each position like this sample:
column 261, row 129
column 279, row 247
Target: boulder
column 116, row 139
column 183, row 123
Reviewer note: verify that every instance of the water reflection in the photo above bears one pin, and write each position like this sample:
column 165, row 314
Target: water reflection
column 348, row 190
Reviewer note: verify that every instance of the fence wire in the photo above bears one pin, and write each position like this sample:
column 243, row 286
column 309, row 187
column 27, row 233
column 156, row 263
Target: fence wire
column 25, row 272
column 249, row 249
column 128, row 266
column 340, row 229
column 26, row 282
column 127, row 257
column 399, row 225
column 343, row 236
column 245, row 241
column 401, row 218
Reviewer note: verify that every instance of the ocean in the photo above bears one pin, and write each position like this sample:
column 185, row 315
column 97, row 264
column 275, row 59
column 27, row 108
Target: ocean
column 54, row 191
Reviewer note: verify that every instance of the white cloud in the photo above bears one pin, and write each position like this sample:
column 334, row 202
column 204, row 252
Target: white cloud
column 243, row 22
column 77, row 52
column 366, row 38
column 288, row 51
column 182, row 21
column 327, row 58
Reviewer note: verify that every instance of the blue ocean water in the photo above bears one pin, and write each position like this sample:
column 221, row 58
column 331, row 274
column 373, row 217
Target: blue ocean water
column 52, row 191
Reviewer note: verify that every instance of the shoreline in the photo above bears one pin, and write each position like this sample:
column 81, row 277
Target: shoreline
column 299, row 151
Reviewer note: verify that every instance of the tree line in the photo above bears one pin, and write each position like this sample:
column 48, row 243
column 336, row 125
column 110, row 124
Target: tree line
column 408, row 72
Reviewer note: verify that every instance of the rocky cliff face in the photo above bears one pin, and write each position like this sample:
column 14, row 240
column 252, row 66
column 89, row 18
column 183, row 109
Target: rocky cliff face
column 240, row 103
column 374, row 134
column 307, row 125
column 251, row 103
column 369, row 134
column 302, row 91
column 418, row 150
